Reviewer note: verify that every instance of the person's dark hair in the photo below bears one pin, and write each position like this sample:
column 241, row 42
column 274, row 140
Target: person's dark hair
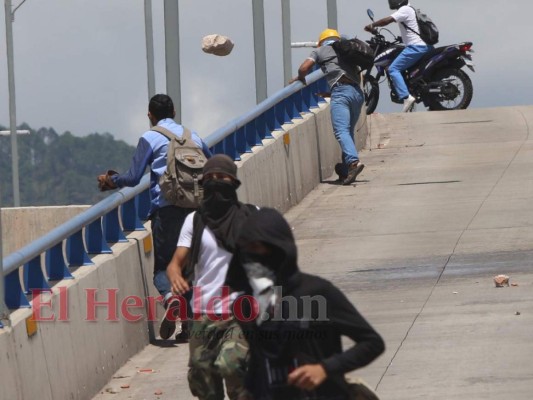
column 161, row 107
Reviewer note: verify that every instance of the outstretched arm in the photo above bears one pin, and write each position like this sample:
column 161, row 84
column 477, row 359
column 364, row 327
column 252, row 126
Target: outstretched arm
column 349, row 322
column 178, row 284
column 304, row 69
column 382, row 22
column 141, row 159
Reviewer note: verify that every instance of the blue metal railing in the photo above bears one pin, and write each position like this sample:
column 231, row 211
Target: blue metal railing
column 90, row 232
column 241, row 134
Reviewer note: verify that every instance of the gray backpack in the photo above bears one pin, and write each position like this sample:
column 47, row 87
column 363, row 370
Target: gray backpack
column 180, row 184
column 429, row 32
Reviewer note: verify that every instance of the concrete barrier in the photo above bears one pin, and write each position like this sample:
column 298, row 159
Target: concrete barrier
column 75, row 358
column 285, row 169
column 22, row 225
column 72, row 355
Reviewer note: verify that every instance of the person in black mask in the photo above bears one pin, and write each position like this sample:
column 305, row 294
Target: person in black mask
column 218, row 350
column 294, row 321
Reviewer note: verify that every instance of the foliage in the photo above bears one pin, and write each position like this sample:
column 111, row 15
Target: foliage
column 60, row 169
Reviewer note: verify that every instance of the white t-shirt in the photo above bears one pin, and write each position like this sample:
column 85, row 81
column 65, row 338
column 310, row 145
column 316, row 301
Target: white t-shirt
column 209, row 295
column 407, row 15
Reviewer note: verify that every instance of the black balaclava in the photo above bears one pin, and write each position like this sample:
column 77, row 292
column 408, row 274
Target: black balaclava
column 220, row 210
column 269, row 227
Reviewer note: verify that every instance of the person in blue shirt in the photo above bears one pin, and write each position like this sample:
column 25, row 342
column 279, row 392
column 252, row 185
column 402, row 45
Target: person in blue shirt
column 166, row 219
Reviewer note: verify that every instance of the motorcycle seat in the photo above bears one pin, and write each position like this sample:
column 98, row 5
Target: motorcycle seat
column 427, row 56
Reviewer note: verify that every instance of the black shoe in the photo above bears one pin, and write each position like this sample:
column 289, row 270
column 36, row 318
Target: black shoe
column 168, row 323
column 341, row 170
column 354, row 169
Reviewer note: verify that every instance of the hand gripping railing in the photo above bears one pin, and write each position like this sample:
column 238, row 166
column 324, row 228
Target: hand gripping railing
column 91, row 231
column 101, row 226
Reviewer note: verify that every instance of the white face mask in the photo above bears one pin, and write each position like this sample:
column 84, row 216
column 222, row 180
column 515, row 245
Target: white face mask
column 261, row 280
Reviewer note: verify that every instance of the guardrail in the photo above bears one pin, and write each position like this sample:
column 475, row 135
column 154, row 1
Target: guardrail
column 91, row 232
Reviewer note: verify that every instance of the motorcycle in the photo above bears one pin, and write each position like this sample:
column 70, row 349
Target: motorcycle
column 437, row 80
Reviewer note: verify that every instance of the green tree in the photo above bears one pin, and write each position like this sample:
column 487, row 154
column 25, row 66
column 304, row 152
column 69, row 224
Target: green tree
column 60, row 169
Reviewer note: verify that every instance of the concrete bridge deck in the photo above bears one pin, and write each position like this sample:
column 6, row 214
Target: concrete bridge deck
column 444, row 204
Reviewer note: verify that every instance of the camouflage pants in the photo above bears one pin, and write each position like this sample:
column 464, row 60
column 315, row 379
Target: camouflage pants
column 218, row 351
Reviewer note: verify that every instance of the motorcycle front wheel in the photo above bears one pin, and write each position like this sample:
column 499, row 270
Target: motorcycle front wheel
column 371, row 92
column 456, row 90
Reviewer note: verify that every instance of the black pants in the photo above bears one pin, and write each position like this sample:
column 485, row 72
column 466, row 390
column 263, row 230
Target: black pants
column 166, row 225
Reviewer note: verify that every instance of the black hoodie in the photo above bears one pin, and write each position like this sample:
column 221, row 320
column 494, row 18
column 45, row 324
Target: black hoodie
column 280, row 344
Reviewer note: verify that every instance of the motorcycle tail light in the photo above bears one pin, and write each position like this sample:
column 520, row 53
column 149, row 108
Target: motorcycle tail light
column 463, row 48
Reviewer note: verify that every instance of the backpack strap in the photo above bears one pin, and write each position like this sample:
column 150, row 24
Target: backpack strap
column 412, row 30
column 163, row 131
column 196, row 242
column 187, row 134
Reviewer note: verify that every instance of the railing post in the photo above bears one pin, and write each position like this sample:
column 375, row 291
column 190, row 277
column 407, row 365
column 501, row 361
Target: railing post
column 281, row 113
column 299, row 103
column 322, row 85
column 292, row 112
column 252, row 138
column 230, row 149
column 130, row 219
column 55, row 264
column 310, row 99
column 143, row 205
column 272, row 121
column 218, row 148
column 112, row 230
column 14, row 297
column 76, row 254
column 241, row 142
column 95, row 240
column 262, row 127
column 33, row 276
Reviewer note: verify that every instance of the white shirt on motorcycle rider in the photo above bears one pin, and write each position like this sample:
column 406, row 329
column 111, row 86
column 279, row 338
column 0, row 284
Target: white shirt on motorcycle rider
column 407, row 15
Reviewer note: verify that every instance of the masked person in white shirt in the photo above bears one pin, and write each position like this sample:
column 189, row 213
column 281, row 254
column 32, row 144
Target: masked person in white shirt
column 217, row 349
column 415, row 47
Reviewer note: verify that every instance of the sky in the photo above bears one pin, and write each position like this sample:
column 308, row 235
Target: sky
column 80, row 65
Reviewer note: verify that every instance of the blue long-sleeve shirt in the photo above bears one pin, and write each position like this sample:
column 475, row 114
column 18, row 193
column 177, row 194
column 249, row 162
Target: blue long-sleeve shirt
column 152, row 152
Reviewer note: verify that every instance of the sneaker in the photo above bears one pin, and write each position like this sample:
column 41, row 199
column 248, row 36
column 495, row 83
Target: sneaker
column 168, row 323
column 183, row 336
column 354, row 169
column 342, row 171
column 408, row 104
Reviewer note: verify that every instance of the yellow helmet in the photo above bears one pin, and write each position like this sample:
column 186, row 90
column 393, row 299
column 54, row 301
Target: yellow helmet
column 326, row 34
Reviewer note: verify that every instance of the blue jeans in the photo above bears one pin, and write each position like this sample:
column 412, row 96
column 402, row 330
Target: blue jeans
column 346, row 103
column 406, row 59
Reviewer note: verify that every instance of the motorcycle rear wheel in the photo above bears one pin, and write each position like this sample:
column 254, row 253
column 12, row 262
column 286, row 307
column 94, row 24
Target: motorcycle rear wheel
column 371, row 92
column 456, row 93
